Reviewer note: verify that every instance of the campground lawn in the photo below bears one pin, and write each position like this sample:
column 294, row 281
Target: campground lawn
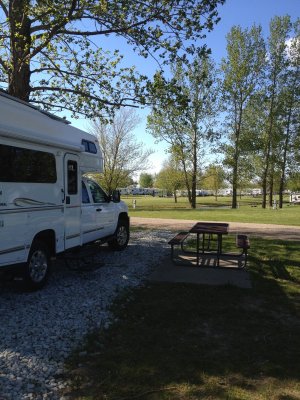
column 208, row 209
column 191, row 342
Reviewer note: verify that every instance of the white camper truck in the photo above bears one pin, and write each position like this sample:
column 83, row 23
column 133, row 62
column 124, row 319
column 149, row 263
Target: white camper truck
column 47, row 204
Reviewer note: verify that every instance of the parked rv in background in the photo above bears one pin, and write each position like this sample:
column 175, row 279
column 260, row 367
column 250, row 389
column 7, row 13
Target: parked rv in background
column 140, row 191
column 256, row 192
column 295, row 198
column 225, row 192
column 47, row 203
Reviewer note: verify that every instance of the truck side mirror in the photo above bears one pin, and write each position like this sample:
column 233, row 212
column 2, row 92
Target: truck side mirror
column 116, row 196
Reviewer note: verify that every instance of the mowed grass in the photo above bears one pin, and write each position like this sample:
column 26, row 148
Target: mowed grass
column 208, row 209
column 190, row 342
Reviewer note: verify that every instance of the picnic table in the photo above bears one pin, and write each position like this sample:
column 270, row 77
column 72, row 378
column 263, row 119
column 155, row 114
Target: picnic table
column 208, row 233
column 206, row 230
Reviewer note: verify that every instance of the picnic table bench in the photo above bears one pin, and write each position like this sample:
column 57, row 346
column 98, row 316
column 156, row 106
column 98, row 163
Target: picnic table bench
column 178, row 240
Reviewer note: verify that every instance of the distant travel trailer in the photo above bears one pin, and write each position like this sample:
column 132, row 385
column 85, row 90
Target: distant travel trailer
column 295, row 198
column 225, row 192
column 256, row 192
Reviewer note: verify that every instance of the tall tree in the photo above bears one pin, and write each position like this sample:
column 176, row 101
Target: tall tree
column 184, row 114
column 170, row 177
column 51, row 50
column 123, row 155
column 290, row 110
column 146, row 180
column 213, row 179
column 293, row 181
column 276, row 67
column 242, row 71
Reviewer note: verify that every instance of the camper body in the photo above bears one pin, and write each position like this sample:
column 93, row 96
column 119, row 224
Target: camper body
column 295, row 198
column 47, row 203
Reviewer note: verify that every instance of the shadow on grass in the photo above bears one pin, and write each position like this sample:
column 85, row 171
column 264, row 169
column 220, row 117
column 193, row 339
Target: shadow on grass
column 177, row 341
column 276, row 264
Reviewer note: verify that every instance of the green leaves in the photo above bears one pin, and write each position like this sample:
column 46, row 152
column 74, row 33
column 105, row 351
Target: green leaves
column 183, row 112
column 63, row 46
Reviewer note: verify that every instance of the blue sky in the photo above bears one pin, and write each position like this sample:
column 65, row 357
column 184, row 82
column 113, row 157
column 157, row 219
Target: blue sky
column 234, row 12
column 246, row 13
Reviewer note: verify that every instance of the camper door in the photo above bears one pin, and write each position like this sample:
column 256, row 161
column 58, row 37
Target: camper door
column 72, row 201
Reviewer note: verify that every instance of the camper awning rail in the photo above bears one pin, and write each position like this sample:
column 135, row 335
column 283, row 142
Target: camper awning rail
column 28, row 137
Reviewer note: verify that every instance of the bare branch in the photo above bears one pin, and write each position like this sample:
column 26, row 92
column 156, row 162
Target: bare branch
column 85, row 94
column 107, row 31
column 4, row 8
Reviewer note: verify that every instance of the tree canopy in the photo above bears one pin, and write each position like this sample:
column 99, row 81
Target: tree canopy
column 184, row 116
column 53, row 52
column 242, row 72
column 146, row 180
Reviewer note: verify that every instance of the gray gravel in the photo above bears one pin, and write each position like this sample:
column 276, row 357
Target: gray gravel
column 39, row 330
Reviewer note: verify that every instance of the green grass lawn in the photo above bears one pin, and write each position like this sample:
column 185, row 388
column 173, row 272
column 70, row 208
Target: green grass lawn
column 191, row 342
column 208, row 209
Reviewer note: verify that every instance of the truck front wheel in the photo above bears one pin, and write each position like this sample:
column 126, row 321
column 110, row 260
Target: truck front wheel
column 121, row 236
column 37, row 267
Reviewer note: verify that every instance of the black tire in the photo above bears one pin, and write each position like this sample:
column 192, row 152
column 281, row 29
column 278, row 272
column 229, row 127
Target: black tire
column 37, row 267
column 121, row 236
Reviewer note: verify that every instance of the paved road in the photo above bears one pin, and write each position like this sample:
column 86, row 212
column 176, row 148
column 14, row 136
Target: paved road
column 283, row 232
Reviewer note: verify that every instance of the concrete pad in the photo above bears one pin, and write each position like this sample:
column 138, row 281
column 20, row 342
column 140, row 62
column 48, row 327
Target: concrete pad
column 202, row 275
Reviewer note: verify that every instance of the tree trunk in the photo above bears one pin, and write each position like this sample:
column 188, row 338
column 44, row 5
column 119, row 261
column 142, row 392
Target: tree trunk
column 195, row 166
column 267, row 158
column 19, row 74
column 270, row 138
column 271, row 185
column 235, row 164
column 284, row 161
column 234, row 186
column 238, row 126
column 194, row 184
column 175, row 196
column 193, row 194
column 264, row 188
column 186, row 178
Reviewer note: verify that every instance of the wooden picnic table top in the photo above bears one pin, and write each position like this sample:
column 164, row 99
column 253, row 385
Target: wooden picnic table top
column 218, row 228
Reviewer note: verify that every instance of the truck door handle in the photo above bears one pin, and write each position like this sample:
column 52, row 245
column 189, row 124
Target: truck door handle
column 98, row 209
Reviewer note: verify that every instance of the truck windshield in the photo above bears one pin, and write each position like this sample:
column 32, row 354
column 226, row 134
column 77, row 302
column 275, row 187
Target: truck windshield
column 98, row 194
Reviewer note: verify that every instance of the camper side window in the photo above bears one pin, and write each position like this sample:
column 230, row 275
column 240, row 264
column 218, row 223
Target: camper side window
column 89, row 147
column 18, row 164
column 72, row 177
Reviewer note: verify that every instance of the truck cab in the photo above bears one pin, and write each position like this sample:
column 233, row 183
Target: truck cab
column 103, row 216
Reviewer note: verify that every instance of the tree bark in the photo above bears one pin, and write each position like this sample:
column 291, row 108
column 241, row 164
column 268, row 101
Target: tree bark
column 268, row 152
column 271, row 184
column 19, row 71
column 195, row 166
column 284, row 160
column 236, row 156
column 234, row 186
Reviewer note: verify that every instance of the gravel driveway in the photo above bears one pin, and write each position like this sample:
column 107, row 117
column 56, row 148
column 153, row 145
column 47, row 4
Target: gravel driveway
column 38, row 330
column 283, row 232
